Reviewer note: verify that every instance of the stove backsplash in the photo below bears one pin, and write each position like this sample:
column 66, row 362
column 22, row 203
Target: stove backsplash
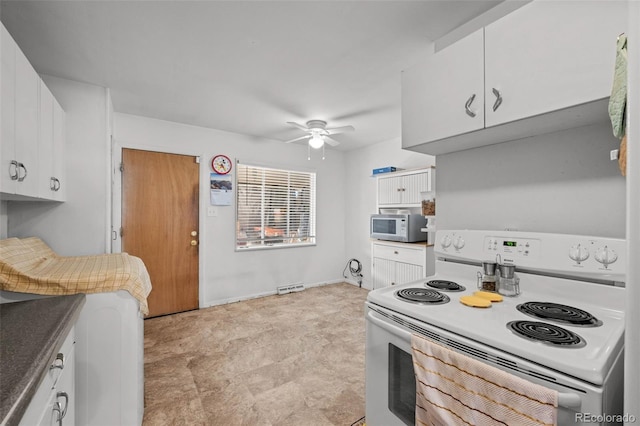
column 560, row 182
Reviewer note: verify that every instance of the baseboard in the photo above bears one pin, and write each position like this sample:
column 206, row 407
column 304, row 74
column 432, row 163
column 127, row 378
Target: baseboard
column 266, row 293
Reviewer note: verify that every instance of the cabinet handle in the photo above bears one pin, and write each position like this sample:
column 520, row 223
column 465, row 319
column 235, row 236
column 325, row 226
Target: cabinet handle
column 498, row 102
column 13, row 173
column 56, row 407
column 467, row 106
column 58, row 362
column 395, row 252
column 66, row 404
column 21, row 166
column 52, row 183
column 56, row 186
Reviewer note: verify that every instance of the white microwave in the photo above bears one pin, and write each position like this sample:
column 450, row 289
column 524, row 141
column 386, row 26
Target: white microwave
column 406, row 228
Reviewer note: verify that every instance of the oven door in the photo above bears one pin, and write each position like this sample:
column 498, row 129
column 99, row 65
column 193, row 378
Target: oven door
column 389, row 389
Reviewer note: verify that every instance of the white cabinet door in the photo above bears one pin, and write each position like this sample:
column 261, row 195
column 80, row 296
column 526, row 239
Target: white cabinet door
column 45, row 143
column 405, row 189
column 395, row 263
column 59, row 158
column 407, row 272
column 389, row 190
column 434, row 93
column 547, row 56
column 413, row 186
column 26, row 119
column 383, row 272
column 7, row 123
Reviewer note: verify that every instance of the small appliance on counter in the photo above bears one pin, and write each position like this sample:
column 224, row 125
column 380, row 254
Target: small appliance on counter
column 405, row 227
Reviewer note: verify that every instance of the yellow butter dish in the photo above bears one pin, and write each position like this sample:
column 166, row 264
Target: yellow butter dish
column 475, row 301
column 492, row 297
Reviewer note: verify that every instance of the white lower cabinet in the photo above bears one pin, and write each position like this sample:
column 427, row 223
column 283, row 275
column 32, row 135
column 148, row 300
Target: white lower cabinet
column 399, row 263
column 54, row 401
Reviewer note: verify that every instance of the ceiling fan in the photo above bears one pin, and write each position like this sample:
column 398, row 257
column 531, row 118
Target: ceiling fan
column 318, row 133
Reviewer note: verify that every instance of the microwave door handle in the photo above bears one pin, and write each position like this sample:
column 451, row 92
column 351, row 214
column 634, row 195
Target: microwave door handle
column 396, row 331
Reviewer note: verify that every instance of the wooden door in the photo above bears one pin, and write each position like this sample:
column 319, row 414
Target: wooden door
column 160, row 225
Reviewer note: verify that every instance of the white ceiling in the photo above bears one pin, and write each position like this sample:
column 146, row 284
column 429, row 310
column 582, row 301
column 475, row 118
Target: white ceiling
column 241, row 66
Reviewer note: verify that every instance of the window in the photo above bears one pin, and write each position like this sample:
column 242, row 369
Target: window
column 275, row 208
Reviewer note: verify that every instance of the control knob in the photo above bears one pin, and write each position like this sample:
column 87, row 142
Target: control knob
column 606, row 256
column 445, row 242
column 458, row 243
column 578, row 253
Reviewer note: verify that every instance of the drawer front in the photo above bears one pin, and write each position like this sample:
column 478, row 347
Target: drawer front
column 415, row 256
column 39, row 411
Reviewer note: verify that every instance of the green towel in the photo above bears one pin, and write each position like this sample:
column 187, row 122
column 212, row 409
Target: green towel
column 618, row 99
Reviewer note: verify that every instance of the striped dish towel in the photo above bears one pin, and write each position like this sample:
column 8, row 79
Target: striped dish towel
column 454, row 389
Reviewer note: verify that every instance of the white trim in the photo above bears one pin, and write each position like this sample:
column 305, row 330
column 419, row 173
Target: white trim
column 632, row 308
column 219, row 302
column 108, row 156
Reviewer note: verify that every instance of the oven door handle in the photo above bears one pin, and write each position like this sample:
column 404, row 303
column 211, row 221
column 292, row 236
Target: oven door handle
column 396, row 331
column 565, row 400
column 569, row 400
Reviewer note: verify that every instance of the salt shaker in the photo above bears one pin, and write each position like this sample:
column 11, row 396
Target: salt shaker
column 509, row 284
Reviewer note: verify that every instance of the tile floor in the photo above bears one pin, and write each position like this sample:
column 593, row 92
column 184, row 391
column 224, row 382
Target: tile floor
column 296, row 359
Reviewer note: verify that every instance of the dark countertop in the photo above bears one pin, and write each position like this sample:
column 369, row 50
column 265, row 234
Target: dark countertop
column 31, row 333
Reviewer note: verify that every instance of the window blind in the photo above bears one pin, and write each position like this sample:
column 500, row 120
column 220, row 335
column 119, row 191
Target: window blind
column 275, row 207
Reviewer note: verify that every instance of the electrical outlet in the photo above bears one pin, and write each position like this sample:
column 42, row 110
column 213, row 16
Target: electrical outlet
column 613, row 154
column 212, row 211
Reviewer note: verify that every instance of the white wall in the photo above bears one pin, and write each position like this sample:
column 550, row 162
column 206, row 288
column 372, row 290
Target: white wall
column 360, row 194
column 562, row 182
column 77, row 226
column 227, row 275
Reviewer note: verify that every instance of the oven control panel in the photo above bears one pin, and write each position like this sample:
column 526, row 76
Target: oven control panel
column 511, row 249
column 596, row 257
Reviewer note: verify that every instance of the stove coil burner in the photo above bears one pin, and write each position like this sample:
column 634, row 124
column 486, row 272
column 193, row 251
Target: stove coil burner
column 546, row 333
column 562, row 314
column 445, row 285
column 422, row 295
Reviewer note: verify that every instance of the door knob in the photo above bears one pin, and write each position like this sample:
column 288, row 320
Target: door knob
column 194, row 233
column 194, row 243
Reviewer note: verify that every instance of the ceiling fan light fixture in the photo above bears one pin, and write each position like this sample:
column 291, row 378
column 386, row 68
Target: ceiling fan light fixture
column 316, row 141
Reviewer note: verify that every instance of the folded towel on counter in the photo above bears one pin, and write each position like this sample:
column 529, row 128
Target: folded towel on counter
column 618, row 99
column 454, row 389
column 28, row 265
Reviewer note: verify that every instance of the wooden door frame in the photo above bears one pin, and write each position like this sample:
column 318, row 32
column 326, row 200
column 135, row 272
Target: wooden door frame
column 116, row 206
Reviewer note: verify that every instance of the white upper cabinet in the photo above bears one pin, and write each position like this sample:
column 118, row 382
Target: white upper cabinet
column 8, row 164
column 444, row 95
column 404, row 189
column 51, row 147
column 545, row 67
column 26, row 119
column 32, row 122
column 548, row 56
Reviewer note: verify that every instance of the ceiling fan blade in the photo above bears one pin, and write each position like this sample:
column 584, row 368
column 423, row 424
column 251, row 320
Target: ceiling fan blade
column 299, row 126
column 342, row 129
column 299, row 139
column 330, row 141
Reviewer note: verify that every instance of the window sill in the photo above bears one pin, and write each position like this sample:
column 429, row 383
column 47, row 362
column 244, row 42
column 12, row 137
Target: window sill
column 273, row 246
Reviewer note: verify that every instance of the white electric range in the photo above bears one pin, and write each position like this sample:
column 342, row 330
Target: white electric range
column 571, row 294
